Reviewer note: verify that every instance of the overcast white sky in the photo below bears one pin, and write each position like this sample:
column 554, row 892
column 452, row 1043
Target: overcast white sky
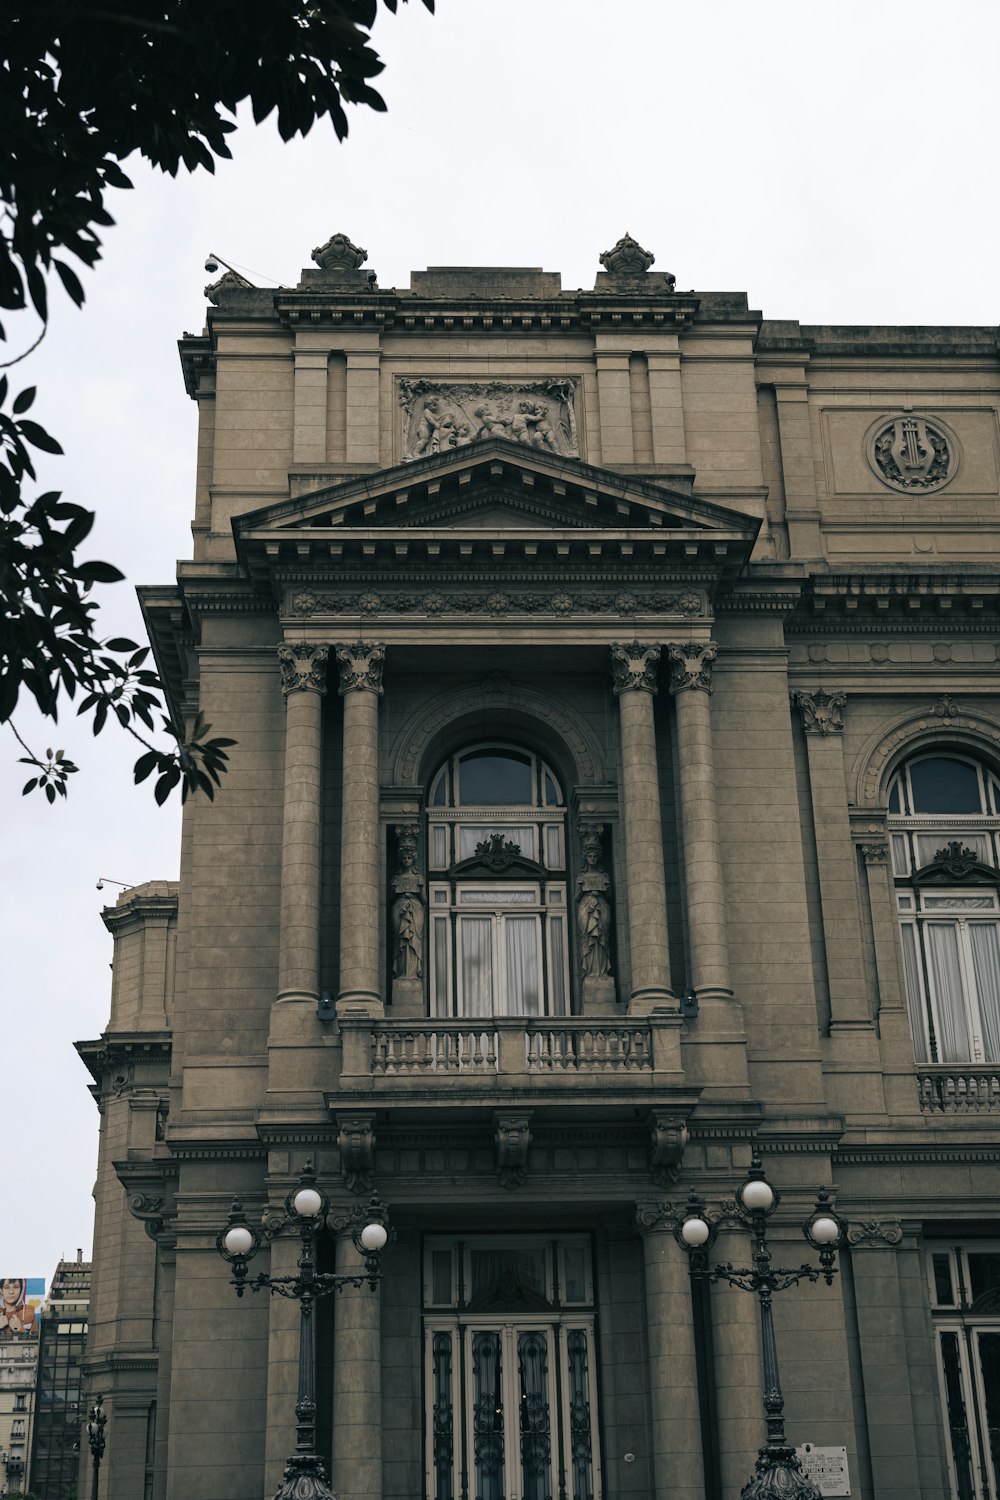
column 835, row 161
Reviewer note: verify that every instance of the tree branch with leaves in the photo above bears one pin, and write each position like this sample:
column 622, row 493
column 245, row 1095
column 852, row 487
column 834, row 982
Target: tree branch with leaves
column 82, row 87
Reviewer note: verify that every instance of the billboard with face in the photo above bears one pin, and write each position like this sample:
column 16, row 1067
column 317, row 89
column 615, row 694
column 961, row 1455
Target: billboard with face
column 20, row 1304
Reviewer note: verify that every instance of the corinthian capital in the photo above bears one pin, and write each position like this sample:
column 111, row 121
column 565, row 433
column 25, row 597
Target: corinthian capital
column 303, row 667
column 360, row 664
column 633, row 667
column 822, row 713
column 691, row 665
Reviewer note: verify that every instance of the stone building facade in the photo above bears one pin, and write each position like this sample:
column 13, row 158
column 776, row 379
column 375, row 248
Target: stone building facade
column 614, row 676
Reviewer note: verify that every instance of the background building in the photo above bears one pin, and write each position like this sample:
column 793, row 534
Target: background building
column 60, row 1411
column 614, row 677
column 20, row 1304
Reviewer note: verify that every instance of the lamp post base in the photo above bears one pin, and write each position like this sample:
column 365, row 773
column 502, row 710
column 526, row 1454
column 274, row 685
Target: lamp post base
column 779, row 1475
column 305, row 1479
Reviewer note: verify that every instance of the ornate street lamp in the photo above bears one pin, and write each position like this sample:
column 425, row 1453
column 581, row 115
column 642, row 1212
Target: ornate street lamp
column 96, row 1423
column 305, row 1208
column 778, row 1472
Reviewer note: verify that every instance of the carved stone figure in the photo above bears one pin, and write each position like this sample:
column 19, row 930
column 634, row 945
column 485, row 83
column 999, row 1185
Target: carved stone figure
column 407, row 909
column 593, row 908
column 531, row 426
column 439, row 416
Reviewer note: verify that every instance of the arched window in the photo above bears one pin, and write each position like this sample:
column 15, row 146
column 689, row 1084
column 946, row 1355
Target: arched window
column 944, row 822
column 496, row 840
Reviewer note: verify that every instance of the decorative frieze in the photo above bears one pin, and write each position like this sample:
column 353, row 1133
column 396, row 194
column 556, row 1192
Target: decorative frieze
column 690, row 665
column 360, row 664
column 633, row 667
column 438, row 417
column 303, row 667
column 495, row 602
column 822, row 713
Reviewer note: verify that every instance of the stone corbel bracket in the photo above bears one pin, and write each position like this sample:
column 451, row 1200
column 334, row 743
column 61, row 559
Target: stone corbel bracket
column 149, row 1193
column 513, row 1138
column 668, row 1135
column 356, row 1143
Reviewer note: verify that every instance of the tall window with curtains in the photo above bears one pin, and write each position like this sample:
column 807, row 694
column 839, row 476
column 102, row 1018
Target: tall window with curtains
column 510, row 1369
column 944, row 823
column 965, row 1297
column 496, row 840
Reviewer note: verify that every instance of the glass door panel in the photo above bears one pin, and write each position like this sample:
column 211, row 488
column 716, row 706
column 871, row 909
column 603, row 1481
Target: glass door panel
column 988, row 1357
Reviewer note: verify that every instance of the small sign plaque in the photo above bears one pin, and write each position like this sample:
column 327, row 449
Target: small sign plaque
column 826, row 1467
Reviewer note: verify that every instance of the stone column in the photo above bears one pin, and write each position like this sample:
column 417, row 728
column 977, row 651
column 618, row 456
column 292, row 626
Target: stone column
column 691, row 686
column 357, row 1377
column 739, row 1380
column 309, row 433
column 303, row 682
column 633, row 668
column 666, row 405
column 893, row 1440
column 823, row 721
column 360, row 927
column 678, row 1465
column 614, row 394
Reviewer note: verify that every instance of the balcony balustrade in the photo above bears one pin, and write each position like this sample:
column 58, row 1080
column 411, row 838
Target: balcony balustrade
column 957, row 1088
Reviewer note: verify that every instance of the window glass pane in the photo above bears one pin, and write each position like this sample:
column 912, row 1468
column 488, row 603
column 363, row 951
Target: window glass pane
column 958, row 1421
column 439, row 792
column 441, row 1277
column 914, row 1001
column 895, row 805
column 533, row 1415
column 943, row 785
column 986, row 967
column 946, row 977
column 944, row 1295
column 579, row 1416
column 476, row 943
column 500, row 1272
column 989, row 1364
column 441, row 966
column 522, row 966
column 557, row 960
column 984, row 1281
column 439, row 847
column 574, row 1274
column 553, row 847
column 552, row 797
column 900, row 860
column 487, row 1419
column 444, row 1422
column 495, row 778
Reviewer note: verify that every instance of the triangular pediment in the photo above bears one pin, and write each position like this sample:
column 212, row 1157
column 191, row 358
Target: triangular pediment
column 498, row 486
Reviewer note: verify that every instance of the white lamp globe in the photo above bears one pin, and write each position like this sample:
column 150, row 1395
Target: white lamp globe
column 825, row 1231
column 758, row 1195
column 694, row 1233
column 308, row 1204
column 374, row 1237
column 238, row 1240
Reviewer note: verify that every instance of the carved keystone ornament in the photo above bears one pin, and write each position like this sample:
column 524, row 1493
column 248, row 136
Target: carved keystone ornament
column 513, row 1137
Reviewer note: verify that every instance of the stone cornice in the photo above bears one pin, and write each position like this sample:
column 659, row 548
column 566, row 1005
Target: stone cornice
column 138, row 1048
column 138, row 909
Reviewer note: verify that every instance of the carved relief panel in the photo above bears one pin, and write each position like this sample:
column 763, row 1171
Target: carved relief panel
column 439, row 416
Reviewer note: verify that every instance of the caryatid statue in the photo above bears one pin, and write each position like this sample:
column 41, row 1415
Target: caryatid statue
column 593, row 907
column 407, row 908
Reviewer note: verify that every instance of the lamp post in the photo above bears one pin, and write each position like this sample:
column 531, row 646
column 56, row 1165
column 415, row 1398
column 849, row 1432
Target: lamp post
column 96, row 1423
column 778, row 1472
column 305, row 1208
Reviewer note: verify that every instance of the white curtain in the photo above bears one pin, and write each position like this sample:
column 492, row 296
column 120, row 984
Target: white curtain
column 986, row 963
column 472, row 834
column 477, row 966
column 522, row 966
column 914, row 1004
column 946, row 979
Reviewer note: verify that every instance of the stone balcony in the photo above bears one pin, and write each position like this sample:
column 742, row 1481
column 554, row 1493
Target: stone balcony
column 959, row 1088
column 578, row 1059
